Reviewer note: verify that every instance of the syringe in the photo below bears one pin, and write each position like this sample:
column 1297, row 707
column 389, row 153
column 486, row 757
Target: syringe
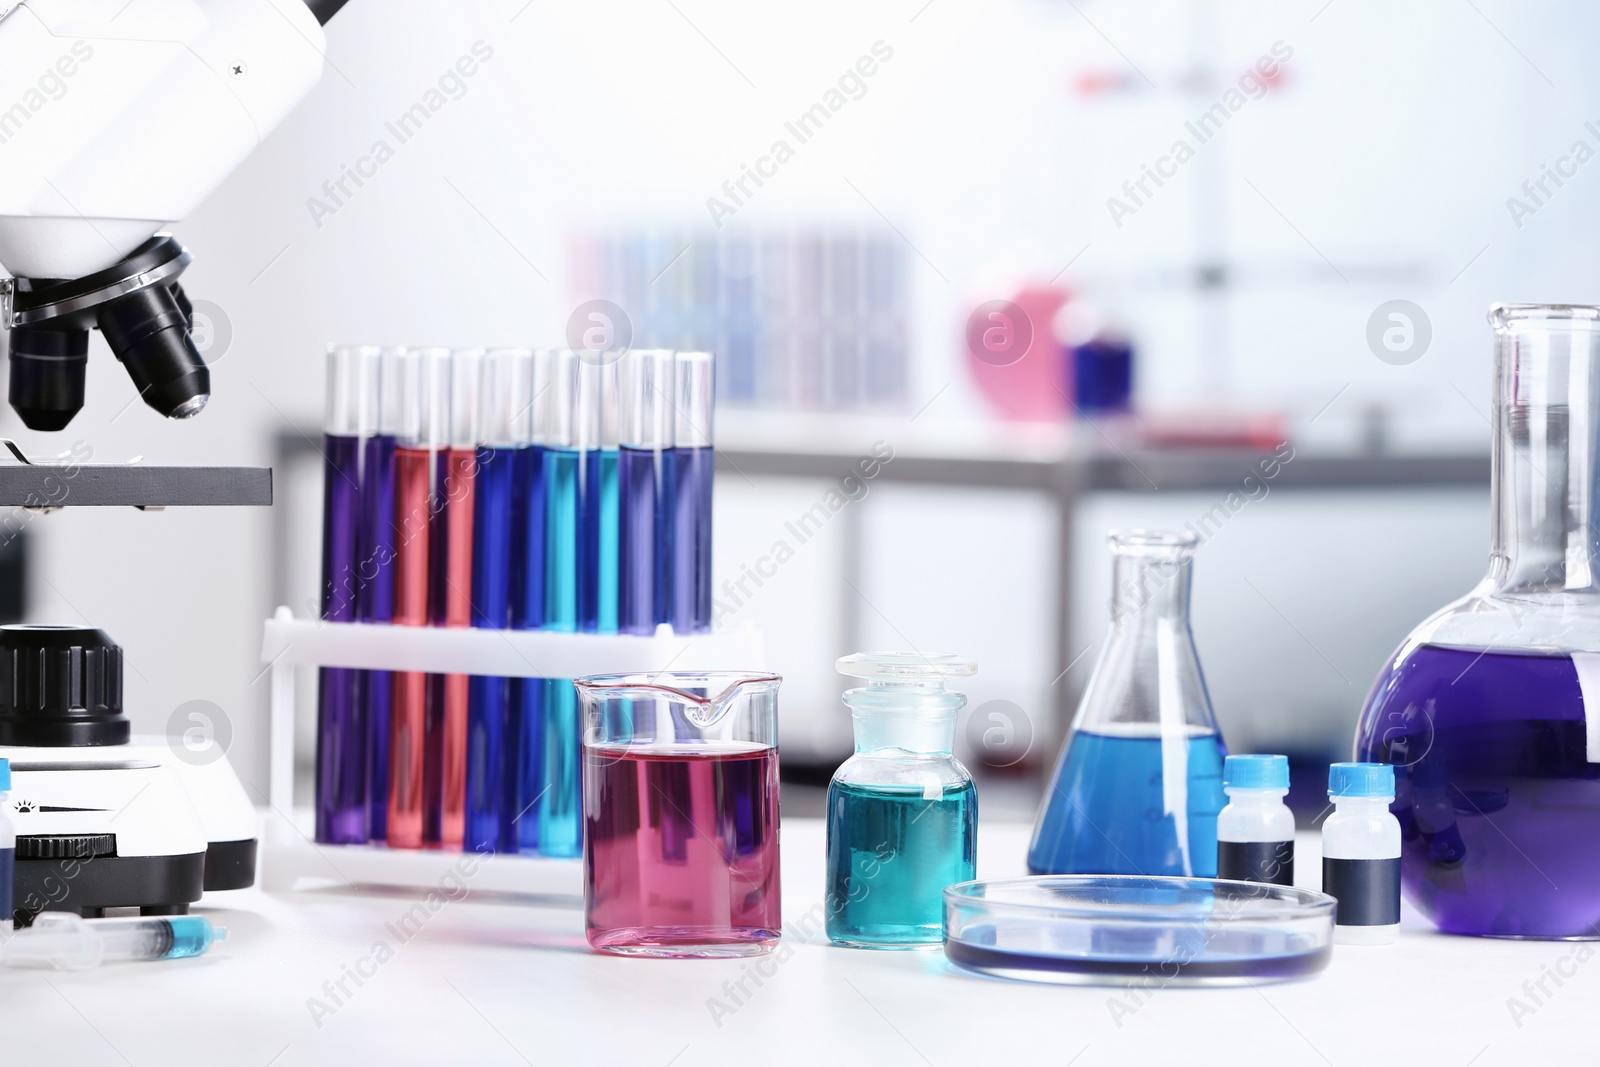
column 67, row 942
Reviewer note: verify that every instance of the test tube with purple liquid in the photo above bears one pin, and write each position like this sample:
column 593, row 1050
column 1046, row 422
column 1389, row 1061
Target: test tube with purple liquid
column 342, row 795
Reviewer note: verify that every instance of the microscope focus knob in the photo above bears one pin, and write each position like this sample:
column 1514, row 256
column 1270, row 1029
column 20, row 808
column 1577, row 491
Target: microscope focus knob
column 60, row 687
column 65, row 846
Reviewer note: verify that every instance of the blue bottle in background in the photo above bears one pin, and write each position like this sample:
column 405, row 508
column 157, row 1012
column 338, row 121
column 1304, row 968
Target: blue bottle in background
column 1102, row 374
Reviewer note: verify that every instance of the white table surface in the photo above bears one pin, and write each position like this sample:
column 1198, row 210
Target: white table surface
column 490, row 982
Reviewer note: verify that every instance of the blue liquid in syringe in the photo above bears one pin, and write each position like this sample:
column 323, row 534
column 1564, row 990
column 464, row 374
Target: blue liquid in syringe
column 1107, row 810
column 192, row 935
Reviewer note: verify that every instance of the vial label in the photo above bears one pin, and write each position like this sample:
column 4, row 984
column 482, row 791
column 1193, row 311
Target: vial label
column 1368, row 891
column 1269, row 862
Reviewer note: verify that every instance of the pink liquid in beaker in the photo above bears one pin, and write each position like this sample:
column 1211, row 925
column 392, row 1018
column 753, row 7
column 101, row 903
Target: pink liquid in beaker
column 682, row 848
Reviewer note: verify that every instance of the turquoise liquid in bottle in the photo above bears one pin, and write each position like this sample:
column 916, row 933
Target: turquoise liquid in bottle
column 902, row 812
column 891, row 852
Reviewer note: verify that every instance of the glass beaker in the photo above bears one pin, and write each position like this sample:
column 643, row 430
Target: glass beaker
column 1139, row 783
column 680, row 807
column 1483, row 710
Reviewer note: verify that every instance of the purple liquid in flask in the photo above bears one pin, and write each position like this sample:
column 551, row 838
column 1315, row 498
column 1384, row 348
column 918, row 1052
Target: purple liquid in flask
column 1490, row 710
column 1494, row 790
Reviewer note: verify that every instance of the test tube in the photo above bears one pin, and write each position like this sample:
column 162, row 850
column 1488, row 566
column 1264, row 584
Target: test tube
column 642, row 527
column 530, row 512
column 376, row 602
column 689, row 472
column 450, row 604
column 560, row 808
column 507, row 431
column 422, row 437
column 597, row 541
column 341, row 794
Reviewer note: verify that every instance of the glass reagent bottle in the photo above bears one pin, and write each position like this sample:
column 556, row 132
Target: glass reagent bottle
column 1361, row 854
column 1255, row 832
column 902, row 812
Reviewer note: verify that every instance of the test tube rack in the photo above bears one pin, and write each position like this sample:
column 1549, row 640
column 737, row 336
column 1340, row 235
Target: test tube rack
column 292, row 860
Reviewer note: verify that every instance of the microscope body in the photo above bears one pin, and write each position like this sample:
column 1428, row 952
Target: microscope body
column 117, row 119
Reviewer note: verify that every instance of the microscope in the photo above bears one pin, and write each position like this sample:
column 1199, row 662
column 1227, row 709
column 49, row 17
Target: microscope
column 116, row 120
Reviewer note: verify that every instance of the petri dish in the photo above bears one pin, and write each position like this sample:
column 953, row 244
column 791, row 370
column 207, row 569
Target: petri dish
column 1091, row 929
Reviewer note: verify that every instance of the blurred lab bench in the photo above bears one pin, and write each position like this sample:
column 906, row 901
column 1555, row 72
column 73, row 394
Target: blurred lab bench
column 1067, row 465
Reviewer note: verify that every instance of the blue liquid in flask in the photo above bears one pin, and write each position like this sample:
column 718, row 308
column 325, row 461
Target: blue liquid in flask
column 1110, row 810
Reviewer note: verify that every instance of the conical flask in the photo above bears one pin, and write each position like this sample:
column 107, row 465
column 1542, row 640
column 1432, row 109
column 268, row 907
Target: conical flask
column 1139, row 783
column 1490, row 709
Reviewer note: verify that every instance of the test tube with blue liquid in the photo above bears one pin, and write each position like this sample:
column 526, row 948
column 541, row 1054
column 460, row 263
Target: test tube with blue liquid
column 689, row 469
column 342, row 798
column 529, row 513
column 560, row 807
column 643, row 524
column 375, row 593
column 507, row 431
column 597, row 441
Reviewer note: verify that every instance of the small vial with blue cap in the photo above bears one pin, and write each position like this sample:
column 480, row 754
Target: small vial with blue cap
column 1361, row 854
column 8, row 852
column 1255, row 832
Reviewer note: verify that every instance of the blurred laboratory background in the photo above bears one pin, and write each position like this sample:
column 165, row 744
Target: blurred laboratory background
column 985, row 278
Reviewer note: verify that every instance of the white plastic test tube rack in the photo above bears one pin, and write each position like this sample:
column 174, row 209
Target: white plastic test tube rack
column 291, row 858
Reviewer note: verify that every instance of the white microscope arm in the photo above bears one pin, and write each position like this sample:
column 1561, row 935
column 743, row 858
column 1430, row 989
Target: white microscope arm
column 118, row 118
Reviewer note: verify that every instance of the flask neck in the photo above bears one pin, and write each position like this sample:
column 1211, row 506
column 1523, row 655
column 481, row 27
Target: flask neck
column 1147, row 588
column 1546, row 457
